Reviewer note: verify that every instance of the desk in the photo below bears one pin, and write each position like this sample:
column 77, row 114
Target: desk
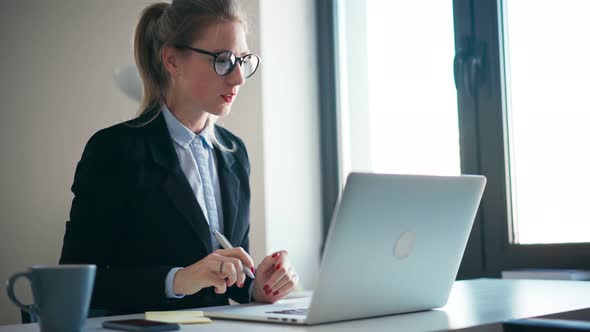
column 472, row 303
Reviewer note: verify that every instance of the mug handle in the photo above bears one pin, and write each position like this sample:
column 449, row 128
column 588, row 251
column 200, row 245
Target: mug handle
column 30, row 308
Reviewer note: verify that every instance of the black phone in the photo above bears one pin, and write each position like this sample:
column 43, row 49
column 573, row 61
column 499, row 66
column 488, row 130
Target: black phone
column 141, row 325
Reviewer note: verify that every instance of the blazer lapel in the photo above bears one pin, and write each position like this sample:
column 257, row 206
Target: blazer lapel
column 175, row 183
column 230, row 193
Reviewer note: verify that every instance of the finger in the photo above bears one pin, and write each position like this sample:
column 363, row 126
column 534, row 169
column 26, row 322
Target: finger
column 287, row 288
column 275, row 277
column 283, row 281
column 217, row 282
column 227, row 270
column 269, row 261
column 240, row 275
column 281, row 260
column 267, row 264
column 240, row 254
column 230, row 274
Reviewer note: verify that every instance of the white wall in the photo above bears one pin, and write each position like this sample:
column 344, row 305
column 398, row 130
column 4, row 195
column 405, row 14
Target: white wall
column 291, row 132
column 57, row 62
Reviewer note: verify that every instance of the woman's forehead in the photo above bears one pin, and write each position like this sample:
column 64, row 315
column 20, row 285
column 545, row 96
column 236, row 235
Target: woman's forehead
column 226, row 35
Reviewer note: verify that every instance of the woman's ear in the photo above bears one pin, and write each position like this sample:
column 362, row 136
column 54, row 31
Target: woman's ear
column 170, row 57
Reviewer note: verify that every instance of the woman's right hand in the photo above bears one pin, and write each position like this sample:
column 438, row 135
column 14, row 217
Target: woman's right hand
column 221, row 269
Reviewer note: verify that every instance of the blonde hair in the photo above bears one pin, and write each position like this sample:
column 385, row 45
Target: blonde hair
column 178, row 23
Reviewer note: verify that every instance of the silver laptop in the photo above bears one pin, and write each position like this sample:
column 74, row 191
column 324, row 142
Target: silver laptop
column 394, row 246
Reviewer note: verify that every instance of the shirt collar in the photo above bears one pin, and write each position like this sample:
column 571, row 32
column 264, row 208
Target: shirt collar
column 181, row 134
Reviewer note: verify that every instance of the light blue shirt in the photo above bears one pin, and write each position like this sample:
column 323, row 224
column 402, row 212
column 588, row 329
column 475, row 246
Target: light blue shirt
column 189, row 146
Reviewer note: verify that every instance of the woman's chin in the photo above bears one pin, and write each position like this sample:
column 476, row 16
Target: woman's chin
column 221, row 111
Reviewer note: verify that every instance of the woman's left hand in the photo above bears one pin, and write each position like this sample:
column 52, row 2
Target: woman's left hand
column 275, row 278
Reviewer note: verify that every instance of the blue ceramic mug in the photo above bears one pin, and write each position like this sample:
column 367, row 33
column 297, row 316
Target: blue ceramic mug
column 61, row 295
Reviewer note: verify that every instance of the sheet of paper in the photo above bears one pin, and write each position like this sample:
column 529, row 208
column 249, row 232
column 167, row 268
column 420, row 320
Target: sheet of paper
column 180, row 317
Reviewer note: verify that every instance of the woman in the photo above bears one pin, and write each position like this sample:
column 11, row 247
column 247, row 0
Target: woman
column 148, row 193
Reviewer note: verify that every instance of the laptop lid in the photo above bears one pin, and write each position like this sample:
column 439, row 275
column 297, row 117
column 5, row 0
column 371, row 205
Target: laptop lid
column 394, row 245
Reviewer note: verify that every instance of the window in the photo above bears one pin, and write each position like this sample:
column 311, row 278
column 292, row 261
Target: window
column 548, row 81
column 521, row 69
column 528, row 117
column 399, row 103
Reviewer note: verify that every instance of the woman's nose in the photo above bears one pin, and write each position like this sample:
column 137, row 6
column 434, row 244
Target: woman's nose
column 236, row 77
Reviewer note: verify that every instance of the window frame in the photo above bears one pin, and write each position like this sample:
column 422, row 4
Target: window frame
column 329, row 115
column 501, row 254
column 483, row 138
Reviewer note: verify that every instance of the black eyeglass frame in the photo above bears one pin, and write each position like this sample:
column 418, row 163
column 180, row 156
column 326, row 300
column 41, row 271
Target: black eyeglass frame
column 215, row 55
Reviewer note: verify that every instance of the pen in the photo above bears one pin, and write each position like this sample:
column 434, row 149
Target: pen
column 226, row 245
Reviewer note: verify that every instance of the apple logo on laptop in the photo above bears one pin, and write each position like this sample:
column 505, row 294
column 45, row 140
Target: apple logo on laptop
column 404, row 246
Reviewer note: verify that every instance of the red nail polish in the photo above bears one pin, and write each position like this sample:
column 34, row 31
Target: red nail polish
column 278, row 267
column 241, row 285
column 266, row 288
column 275, row 255
column 275, row 293
column 252, row 269
column 267, row 292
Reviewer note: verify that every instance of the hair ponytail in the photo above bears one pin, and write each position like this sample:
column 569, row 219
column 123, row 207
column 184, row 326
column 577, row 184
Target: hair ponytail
column 147, row 49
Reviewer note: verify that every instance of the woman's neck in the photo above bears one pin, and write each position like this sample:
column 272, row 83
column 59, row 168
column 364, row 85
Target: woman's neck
column 195, row 120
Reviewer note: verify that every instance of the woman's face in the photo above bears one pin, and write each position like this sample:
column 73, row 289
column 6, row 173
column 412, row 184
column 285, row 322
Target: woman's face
column 197, row 83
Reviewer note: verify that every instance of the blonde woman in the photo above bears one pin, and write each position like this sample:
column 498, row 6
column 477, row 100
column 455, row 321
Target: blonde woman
column 148, row 193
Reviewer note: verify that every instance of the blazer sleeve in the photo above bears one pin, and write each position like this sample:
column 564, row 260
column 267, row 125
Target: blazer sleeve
column 101, row 191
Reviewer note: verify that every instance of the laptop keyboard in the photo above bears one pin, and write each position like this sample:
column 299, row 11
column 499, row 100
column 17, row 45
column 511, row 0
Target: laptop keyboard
column 290, row 312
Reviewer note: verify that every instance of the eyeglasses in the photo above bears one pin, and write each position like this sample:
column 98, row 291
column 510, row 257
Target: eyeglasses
column 225, row 61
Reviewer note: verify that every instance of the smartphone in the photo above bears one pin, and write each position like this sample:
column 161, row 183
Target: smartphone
column 141, row 325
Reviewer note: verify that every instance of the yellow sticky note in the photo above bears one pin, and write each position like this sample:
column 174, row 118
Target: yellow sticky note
column 180, row 317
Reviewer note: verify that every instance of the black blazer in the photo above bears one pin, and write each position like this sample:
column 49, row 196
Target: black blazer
column 135, row 216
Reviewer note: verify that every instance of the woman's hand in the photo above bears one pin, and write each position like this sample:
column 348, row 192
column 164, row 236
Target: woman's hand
column 221, row 269
column 275, row 278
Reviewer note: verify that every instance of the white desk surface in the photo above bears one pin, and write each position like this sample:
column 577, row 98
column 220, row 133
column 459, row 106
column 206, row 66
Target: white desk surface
column 472, row 303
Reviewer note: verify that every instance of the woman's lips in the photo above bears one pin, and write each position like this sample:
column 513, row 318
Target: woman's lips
column 228, row 98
